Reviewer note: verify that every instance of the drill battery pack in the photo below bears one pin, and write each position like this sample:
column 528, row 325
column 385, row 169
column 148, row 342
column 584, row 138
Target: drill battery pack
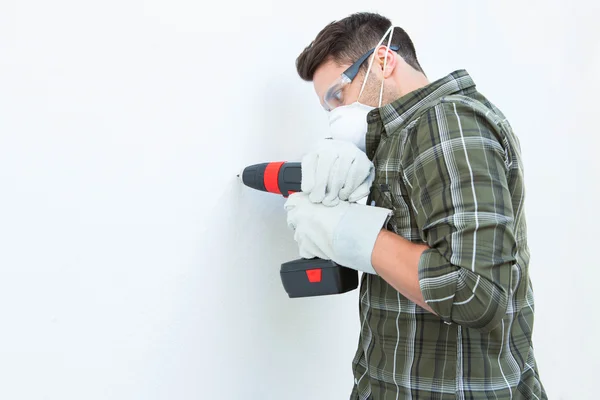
column 316, row 277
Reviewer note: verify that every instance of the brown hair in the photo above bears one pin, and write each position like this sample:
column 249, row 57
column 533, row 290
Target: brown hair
column 345, row 41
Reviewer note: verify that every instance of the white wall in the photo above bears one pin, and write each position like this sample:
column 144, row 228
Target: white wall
column 134, row 266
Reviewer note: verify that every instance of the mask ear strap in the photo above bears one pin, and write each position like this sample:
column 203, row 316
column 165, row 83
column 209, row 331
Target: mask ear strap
column 385, row 65
column 391, row 29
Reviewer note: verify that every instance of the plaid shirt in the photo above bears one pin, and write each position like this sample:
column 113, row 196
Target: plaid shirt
column 449, row 166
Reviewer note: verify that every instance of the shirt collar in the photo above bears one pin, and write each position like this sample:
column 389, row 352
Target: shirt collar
column 394, row 114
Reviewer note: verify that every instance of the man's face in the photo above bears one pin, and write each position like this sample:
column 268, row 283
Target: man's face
column 324, row 81
column 328, row 74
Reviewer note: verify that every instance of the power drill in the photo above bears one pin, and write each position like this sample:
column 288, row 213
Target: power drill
column 303, row 277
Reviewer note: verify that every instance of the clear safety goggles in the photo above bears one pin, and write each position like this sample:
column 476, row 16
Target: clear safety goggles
column 334, row 96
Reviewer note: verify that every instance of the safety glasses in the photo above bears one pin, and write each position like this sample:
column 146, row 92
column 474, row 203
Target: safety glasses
column 334, row 96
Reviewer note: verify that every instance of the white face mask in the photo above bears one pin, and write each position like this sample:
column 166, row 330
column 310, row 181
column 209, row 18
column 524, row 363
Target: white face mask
column 350, row 122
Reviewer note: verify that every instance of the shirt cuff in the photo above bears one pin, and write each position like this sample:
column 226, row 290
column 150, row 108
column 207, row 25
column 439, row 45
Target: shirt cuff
column 460, row 295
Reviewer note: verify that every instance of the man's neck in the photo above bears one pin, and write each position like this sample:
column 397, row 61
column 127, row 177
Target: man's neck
column 410, row 80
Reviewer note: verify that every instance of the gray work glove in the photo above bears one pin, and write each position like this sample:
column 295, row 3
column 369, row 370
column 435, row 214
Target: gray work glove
column 345, row 233
column 336, row 170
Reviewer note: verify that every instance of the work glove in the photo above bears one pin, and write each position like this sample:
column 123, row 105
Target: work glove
column 345, row 233
column 336, row 170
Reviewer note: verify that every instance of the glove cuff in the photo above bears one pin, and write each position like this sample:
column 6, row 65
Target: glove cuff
column 355, row 236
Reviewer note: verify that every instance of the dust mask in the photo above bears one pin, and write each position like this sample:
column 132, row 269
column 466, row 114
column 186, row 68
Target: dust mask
column 349, row 122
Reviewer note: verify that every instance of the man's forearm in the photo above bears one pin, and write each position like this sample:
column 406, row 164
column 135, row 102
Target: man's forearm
column 396, row 260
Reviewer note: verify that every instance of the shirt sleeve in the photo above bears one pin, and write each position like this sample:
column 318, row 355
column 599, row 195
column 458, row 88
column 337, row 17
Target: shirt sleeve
column 457, row 180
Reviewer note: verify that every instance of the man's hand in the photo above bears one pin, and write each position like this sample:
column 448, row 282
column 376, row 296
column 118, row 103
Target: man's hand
column 345, row 233
column 336, row 170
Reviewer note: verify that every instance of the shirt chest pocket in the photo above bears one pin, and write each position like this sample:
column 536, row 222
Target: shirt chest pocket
column 389, row 191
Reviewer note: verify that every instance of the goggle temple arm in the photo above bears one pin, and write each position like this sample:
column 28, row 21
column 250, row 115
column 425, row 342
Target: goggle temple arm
column 352, row 71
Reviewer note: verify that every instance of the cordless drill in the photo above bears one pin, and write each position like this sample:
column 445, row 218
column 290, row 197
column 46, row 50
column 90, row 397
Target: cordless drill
column 303, row 277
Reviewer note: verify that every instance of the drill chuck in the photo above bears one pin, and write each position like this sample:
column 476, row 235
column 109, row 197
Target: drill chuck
column 275, row 177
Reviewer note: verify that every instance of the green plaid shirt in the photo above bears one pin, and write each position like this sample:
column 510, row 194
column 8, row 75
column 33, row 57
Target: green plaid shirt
column 449, row 166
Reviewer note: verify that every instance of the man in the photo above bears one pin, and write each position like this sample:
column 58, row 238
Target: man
column 446, row 303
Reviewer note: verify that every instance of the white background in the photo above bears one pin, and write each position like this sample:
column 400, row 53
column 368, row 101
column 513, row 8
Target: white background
column 134, row 266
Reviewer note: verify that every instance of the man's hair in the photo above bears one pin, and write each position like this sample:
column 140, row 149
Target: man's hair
column 345, row 41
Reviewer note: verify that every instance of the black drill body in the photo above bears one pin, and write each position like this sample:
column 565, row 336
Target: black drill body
column 302, row 277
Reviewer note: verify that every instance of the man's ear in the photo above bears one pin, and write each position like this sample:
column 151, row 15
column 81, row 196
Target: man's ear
column 388, row 58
